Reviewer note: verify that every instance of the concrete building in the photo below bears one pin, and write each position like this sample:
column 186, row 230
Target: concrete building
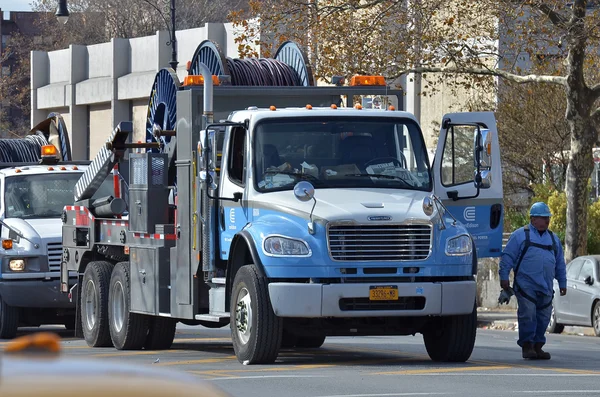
column 95, row 87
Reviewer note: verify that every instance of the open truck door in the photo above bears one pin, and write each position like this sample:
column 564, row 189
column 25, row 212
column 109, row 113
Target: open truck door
column 468, row 177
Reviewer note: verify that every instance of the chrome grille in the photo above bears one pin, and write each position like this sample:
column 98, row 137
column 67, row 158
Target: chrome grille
column 54, row 256
column 353, row 242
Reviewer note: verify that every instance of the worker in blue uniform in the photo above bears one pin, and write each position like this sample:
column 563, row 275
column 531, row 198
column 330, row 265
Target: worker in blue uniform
column 536, row 257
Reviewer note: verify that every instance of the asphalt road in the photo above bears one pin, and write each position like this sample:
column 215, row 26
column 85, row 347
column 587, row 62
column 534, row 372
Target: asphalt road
column 374, row 366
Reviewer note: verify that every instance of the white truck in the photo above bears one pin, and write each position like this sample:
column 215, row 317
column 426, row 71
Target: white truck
column 37, row 179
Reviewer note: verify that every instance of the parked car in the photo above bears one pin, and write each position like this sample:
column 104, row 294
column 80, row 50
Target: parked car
column 581, row 305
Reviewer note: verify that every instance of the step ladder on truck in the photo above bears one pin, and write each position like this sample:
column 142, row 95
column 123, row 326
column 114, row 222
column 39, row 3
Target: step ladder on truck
column 287, row 213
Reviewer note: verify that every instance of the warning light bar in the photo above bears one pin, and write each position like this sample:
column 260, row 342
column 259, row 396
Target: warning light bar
column 367, row 81
column 198, row 80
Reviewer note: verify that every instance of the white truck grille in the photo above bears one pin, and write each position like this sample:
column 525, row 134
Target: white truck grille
column 54, row 256
column 381, row 242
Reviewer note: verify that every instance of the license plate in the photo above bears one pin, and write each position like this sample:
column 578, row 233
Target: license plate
column 383, row 293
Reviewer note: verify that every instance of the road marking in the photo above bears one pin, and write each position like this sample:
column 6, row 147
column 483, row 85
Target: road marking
column 269, row 376
column 201, row 361
column 392, row 394
column 558, row 391
column 442, row 370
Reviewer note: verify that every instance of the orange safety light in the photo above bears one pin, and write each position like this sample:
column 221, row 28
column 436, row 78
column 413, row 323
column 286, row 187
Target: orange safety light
column 7, row 244
column 50, row 168
column 391, row 108
column 367, row 80
column 309, row 106
column 272, row 108
column 198, row 80
column 49, row 151
column 63, row 168
column 17, row 170
column 358, row 106
column 75, row 168
column 333, row 106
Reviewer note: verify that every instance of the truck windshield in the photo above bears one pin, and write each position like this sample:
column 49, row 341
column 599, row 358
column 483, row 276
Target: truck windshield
column 346, row 152
column 43, row 196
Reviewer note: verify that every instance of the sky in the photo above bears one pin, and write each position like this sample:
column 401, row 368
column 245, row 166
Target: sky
column 15, row 5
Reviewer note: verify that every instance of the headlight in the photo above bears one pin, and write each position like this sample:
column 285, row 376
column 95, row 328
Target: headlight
column 283, row 246
column 461, row 245
column 17, row 265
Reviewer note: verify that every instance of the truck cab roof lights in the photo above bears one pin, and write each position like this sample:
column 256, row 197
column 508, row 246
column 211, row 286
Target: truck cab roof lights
column 194, row 80
column 273, row 108
column 309, row 106
column 49, row 151
column 367, row 81
column 358, row 106
column 391, row 108
column 333, row 106
column 17, row 171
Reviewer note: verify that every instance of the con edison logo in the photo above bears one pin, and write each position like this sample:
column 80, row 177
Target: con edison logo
column 380, row 218
column 469, row 214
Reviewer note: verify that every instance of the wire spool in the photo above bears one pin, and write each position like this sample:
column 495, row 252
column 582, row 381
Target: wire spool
column 289, row 67
column 162, row 107
column 29, row 148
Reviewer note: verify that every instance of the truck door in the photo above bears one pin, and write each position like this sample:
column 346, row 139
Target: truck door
column 233, row 216
column 468, row 177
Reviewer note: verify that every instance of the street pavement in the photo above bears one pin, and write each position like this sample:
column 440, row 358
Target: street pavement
column 373, row 366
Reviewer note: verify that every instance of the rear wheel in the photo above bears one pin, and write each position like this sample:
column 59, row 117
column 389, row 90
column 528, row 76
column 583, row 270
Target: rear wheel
column 161, row 332
column 127, row 330
column 9, row 320
column 256, row 330
column 452, row 338
column 94, row 303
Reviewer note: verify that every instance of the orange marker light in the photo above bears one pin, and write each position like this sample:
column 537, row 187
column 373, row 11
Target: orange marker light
column 198, row 80
column 358, row 106
column 50, row 168
column 49, row 150
column 75, row 168
column 272, row 108
column 309, row 106
column 391, row 108
column 333, row 106
column 17, row 170
column 7, row 244
column 367, row 80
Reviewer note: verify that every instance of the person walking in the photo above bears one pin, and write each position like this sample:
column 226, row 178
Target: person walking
column 535, row 256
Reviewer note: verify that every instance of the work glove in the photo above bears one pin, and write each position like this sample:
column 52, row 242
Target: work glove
column 505, row 295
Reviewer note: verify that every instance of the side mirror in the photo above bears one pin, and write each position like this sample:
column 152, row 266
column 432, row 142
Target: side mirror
column 304, row 191
column 589, row 280
column 482, row 149
column 483, row 179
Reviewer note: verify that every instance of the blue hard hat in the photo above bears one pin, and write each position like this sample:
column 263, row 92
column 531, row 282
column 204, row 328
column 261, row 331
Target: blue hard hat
column 540, row 209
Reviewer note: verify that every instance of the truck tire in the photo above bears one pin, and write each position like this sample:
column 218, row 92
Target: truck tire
column 127, row 330
column 94, row 303
column 9, row 320
column 161, row 333
column 452, row 338
column 310, row 342
column 255, row 329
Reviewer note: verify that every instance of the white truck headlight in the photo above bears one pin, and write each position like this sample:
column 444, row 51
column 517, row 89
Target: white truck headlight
column 285, row 246
column 17, row 265
column 461, row 245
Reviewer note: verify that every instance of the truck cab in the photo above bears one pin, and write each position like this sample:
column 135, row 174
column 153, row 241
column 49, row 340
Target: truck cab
column 32, row 199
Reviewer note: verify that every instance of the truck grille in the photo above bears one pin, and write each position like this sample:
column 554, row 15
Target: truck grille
column 54, row 256
column 352, row 242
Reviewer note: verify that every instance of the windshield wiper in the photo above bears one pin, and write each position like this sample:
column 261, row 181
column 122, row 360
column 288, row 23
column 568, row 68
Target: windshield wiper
column 297, row 174
column 385, row 176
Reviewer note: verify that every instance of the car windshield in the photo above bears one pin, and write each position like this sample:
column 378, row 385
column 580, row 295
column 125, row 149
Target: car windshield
column 43, row 196
column 345, row 152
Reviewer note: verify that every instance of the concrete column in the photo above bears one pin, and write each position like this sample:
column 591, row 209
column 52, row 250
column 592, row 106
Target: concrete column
column 78, row 114
column 413, row 95
column 163, row 51
column 121, row 110
column 40, row 76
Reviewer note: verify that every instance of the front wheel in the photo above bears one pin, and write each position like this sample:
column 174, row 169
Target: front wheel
column 9, row 320
column 553, row 326
column 596, row 318
column 256, row 330
column 452, row 338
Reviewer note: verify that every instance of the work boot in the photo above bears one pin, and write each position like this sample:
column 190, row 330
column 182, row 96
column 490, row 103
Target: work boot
column 528, row 351
column 539, row 352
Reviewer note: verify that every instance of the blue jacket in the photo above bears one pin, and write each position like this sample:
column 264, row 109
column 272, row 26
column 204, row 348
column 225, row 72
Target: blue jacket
column 539, row 267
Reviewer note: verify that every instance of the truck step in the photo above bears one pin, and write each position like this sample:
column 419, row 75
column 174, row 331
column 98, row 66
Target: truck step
column 218, row 280
column 213, row 317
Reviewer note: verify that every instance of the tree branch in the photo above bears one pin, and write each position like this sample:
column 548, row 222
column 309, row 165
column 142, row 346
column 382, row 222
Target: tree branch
column 531, row 78
column 595, row 92
column 553, row 16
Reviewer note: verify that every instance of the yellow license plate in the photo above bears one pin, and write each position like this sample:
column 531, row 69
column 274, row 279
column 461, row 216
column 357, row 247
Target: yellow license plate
column 383, row 293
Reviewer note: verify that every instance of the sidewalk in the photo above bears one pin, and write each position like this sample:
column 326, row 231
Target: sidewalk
column 499, row 319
